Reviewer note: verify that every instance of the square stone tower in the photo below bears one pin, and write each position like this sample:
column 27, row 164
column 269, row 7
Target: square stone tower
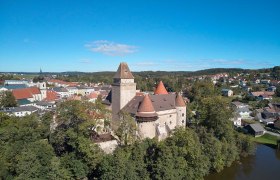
column 123, row 90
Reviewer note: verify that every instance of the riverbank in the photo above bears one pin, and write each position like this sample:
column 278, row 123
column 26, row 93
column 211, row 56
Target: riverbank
column 267, row 139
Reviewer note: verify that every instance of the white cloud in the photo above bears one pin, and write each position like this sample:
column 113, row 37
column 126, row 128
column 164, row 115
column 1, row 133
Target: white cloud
column 110, row 48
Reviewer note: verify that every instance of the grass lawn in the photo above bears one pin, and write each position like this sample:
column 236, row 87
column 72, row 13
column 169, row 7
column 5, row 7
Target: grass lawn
column 266, row 139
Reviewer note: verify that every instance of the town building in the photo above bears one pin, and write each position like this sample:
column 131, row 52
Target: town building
column 227, row 92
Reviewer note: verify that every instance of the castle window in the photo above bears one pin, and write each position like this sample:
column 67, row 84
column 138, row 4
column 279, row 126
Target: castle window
column 183, row 114
column 170, row 115
column 183, row 121
column 170, row 122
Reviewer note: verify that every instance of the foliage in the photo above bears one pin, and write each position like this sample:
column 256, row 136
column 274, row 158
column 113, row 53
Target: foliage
column 277, row 91
column 7, row 99
column 127, row 129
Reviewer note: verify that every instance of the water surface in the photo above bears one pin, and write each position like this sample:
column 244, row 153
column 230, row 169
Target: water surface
column 265, row 164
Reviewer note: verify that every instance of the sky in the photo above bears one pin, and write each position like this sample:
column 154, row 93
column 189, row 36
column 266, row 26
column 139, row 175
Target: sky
column 166, row 35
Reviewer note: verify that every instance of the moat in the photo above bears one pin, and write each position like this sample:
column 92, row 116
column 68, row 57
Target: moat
column 265, row 164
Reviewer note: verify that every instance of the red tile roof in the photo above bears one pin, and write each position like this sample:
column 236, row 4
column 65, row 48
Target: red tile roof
column 25, row 92
column 160, row 89
column 179, row 101
column 146, row 105
column 34, row 90
column 92, row 95
column 146, row 108
column 51, row 95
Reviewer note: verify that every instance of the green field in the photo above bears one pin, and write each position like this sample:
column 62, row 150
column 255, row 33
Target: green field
column 266, row 139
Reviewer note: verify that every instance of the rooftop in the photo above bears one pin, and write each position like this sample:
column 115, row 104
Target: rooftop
column 123, row 72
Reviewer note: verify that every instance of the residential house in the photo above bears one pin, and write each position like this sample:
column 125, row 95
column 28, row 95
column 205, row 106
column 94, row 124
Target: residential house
column 227, row 92
column 22, row 111
column 265, row 81
column 85, row 90
column 72, row 90
column 92, row 96
column 237, row 105
column 237, row 120
column 244, row 113
column 255, row 129
column 260, row 95
column 60, row 83
column 271, row 88
column 44, row 105
column 62, row 92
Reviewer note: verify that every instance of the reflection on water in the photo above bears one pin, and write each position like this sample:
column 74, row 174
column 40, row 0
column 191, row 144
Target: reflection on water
column 265, row 164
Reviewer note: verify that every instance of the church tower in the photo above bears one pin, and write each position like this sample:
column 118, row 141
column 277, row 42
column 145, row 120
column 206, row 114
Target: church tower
column 42, row 85
column 123, row 90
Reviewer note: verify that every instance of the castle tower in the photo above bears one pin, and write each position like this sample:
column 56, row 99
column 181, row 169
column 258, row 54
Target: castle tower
column 123, row 90
column 181, row 110
column 146, row 117
column 160, row 89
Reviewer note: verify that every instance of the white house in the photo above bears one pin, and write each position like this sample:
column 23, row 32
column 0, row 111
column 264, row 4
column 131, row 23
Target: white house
column 227, row 92
column 22, row 111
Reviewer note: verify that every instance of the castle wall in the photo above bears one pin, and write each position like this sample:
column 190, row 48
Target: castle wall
column 181, row 116
column 147, row 129
column 167, row 117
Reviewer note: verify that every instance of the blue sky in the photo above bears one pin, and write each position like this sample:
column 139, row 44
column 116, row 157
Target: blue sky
column 149, row 35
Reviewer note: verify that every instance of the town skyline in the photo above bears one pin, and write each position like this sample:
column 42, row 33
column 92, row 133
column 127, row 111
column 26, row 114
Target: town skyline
column 91, row 36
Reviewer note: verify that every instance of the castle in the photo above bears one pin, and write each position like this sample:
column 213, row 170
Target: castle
column 156, row 115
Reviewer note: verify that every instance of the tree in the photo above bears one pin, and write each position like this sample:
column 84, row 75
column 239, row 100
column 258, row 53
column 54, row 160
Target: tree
column 127, row 129
column 277, row 91
column 7, row 99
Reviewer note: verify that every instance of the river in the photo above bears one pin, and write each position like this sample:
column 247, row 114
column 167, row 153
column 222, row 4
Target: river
column 265, row 164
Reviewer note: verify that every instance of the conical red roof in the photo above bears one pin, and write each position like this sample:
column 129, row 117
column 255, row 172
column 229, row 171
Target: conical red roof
column 146, row 108
column 146, row 105
column 179, row 101
column 160, row 89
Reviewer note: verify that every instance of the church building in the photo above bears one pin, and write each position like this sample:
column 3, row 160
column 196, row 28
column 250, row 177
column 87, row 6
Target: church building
column 156, row 114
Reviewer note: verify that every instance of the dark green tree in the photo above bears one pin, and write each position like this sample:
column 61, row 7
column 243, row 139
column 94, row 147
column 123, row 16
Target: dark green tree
column 7, row 99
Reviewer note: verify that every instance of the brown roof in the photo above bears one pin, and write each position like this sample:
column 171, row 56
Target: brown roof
column 146, row 110
column 160, row 89
column 179, row 101
column 25, row 93
column 123, row 72
column 160, row 102
column 259, row 93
